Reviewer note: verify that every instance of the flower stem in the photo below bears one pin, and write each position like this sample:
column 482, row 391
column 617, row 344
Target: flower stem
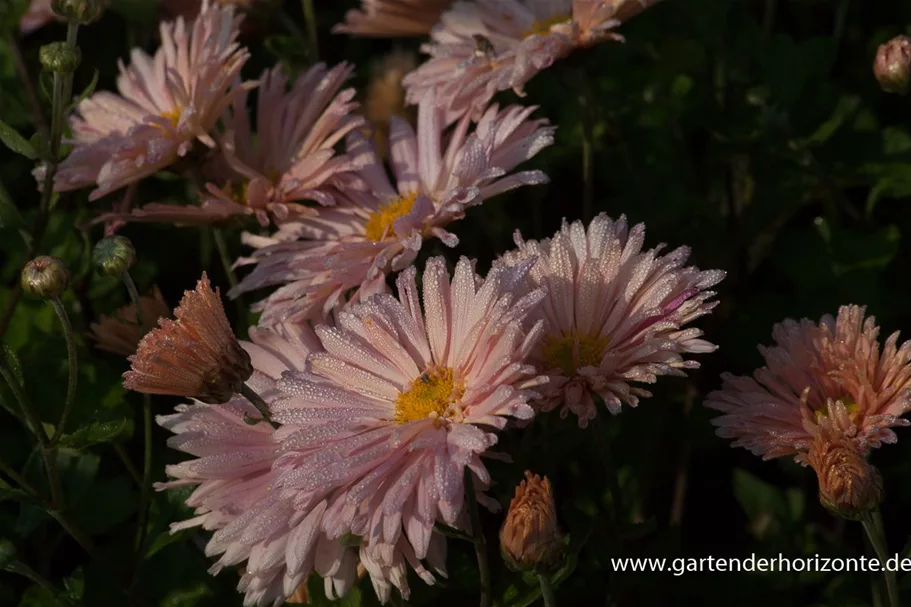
column 134, row 297
column 480, row 542
column 257, row 401
column 225, row 256
column 73, row 361
column 547, row 591
column 48, row 453
column 146, row 490
column 876, row 533
column 310, row 19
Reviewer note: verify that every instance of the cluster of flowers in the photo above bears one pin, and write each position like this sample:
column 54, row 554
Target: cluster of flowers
column 358, row 417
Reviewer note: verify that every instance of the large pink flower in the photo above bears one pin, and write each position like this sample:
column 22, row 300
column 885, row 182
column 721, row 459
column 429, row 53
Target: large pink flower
column 827, row 379
column 393, row 17
column 166, row 103
column 614, row 315
column 377, row 227
column 38, row 15
column 289, row 159
column 486, row 46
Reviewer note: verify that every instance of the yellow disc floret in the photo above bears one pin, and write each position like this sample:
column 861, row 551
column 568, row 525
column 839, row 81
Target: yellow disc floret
column 542, row 27
column 431, row 394
column 379, row 224
column 571, row 352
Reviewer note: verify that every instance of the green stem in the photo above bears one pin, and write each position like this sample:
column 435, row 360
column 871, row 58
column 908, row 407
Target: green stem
column 876, row 533
column 310, row 19
column 134, row 297
column 146, row 490
column 128, row 464
column 258, row 402
column 48, row 453
column 17, row 478
column 73, row 360
column 224, row 255
column 480, row 542
column 547, row 591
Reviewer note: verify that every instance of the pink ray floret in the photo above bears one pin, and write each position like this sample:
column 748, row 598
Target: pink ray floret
column 386, row 18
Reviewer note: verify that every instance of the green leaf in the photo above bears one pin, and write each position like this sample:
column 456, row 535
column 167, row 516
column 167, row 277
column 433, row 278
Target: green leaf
column 7, row 552
column 13, row 361
column 109, row 504
column 16, row 142
column 98, row 432
column 86, row 91
column 764, row 504
column 17, row 495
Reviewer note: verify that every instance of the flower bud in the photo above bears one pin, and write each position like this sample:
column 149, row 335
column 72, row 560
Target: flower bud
column 44, row 277
column 59, row 57
column 848, row 484
column 79, row 11
column 892, row 66
column 114, row 255
column 530, row 538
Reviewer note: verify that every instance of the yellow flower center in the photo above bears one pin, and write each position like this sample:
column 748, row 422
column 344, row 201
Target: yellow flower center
column 430, row 395
column 561, row 352
column 849, row 403
column 542, row 27
column 379, row 224
column 173, row 115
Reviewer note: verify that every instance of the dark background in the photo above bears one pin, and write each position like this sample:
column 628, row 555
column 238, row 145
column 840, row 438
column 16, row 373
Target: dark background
column 752, row 131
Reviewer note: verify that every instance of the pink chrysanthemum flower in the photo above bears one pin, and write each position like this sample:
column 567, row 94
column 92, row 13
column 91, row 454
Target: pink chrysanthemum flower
column 826, row 379
column 380, row 420
column 379, row 227
column 121, row 332
column 166, row 103
column 288, row 160
column 38, row 15
column 613, row 315
column 486, row 46
column 383, row 18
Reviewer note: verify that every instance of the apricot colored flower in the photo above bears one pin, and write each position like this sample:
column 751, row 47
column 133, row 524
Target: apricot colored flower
column 287, row 161
column 831, row 376
column 378, row 227
column 614, row 314
column 121, row 332
column 530, row 537
column 167, row 102
column 382, row 18
column 194, row 355
column 486, row 46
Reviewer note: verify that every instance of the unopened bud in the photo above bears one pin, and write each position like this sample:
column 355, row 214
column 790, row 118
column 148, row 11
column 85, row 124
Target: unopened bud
column 849, row 485
column 60, row 57
column 530, row 538
column 44, row 277
column 79, row 11
column 892, row 66
column 114, row 255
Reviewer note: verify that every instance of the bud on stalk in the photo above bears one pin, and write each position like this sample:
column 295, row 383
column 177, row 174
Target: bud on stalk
column 892, row 66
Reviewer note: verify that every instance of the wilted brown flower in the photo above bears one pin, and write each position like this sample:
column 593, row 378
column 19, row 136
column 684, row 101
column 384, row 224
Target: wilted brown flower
column 892, row 66
column 120, row 332
column 530, row 537
column 386, row 95
column 196, row 355
column 849, row 485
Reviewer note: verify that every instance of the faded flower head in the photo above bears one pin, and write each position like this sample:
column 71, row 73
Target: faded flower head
column 614, row 314
column 44, row 277
column 377, row 226
column 831, row 374
column 892, row 66
column 380, row 418
column 486, row 46
column 530, row 538
column 194, row 355
column 167, row 102
column 849, row 485
column 121, row 332
column 385, row 96
column 382, row 18
column 290, row 158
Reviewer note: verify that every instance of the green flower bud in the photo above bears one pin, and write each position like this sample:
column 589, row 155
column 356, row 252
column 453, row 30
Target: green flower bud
column 892, row 66
column 114, row 255
column 59, row 57
column 79, row 11
column 44, row 277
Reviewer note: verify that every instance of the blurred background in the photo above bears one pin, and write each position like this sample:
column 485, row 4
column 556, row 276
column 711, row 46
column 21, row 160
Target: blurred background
column 752, row 131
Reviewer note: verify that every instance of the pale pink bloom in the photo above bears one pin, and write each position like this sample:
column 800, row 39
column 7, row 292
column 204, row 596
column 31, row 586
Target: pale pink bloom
column 288, row 160
column 614, row 314
column 38, row 15
column 167, row 102
column 378, row 227
column 486, row 46
column 384, row 18
column 121, row 332
column 821, row 378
